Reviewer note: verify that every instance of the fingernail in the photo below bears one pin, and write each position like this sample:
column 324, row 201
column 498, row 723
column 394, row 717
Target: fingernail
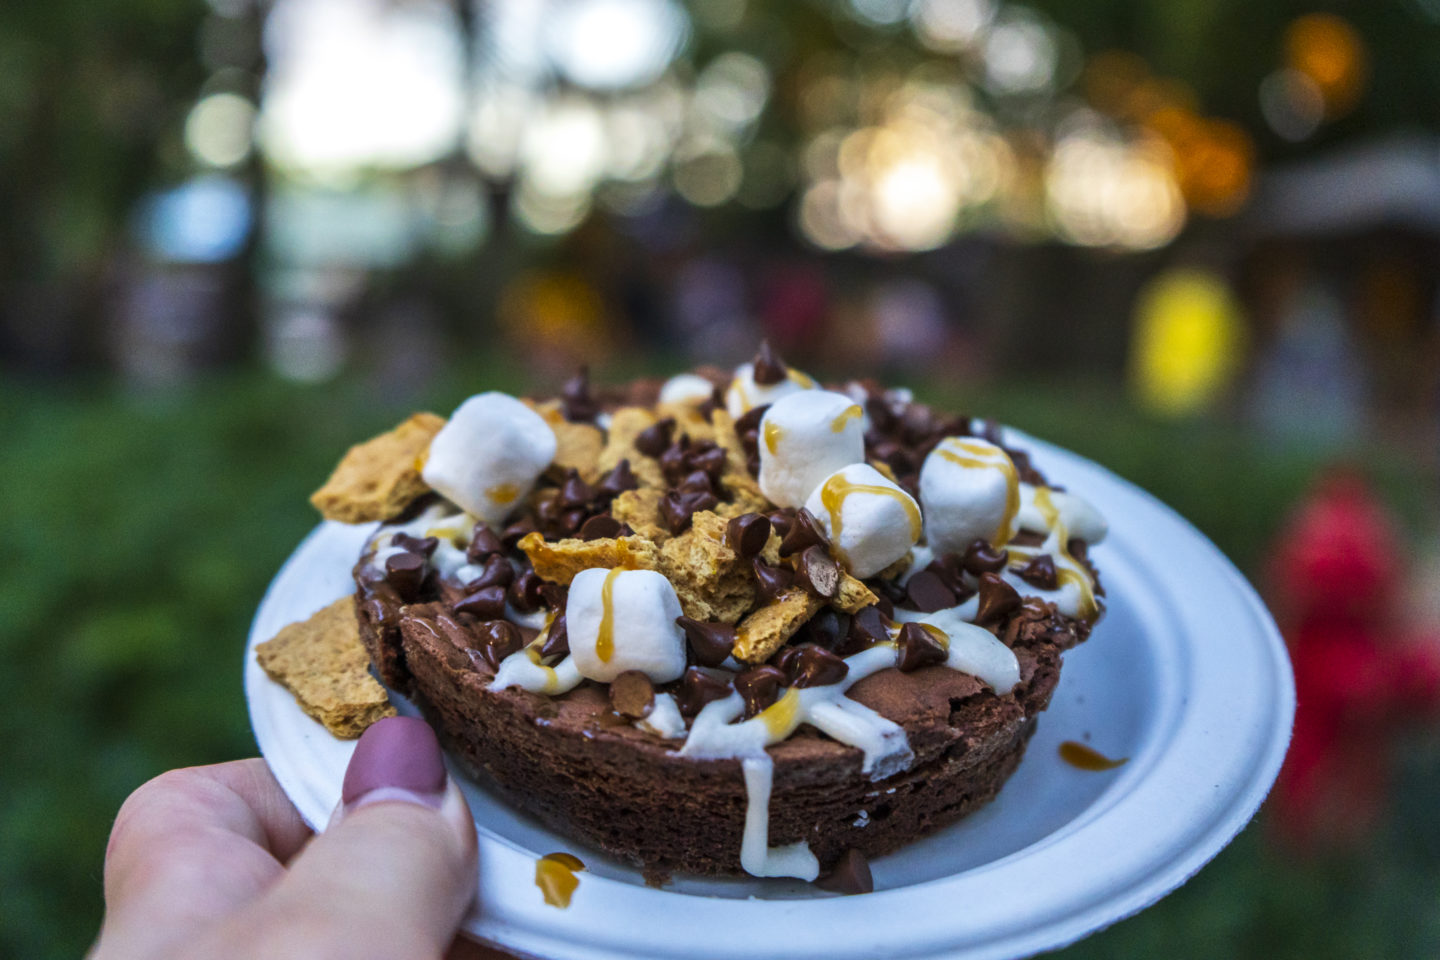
column 397, row 758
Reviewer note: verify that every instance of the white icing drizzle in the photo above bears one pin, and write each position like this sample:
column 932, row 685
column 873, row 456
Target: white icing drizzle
column 449, row 526
column 971, row 649
column 525, row 669
column 664, row 719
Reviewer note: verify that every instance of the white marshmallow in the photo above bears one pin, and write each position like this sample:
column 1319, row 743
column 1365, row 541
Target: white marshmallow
column 804, row 438
column 970, row 491
column 870, row 520
column 744, row 393
column 489, row 454
column 686, row 388
column 1079, row 516
column 622, row 620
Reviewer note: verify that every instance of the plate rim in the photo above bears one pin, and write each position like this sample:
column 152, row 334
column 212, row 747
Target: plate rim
column 520, row 926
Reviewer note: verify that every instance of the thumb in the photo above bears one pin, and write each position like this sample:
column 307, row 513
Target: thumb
column 394, row 872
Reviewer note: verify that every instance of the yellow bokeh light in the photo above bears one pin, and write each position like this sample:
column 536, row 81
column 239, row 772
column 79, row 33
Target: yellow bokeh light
column 1189, row 341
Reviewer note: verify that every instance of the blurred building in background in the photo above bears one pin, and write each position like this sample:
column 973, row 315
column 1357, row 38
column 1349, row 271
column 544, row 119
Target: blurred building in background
column 967, row 187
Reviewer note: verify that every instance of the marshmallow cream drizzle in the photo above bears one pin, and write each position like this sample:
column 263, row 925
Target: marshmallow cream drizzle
column 717, row 732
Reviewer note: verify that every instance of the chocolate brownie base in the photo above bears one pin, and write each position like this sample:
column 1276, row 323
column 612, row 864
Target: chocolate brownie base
column 573, row 764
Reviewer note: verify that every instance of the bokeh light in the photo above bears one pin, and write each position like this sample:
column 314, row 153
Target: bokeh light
column 219, row 130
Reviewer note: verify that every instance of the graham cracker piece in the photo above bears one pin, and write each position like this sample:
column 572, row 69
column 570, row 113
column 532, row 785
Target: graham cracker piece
column 688, row 419
column 627, row 423
column 324, row 664
column 736, row 476
column 641, row 509
column 852, row 595
column 577, row 445
column 710, row 579
column 377, row 479
column 558, row 562
column 766, row 629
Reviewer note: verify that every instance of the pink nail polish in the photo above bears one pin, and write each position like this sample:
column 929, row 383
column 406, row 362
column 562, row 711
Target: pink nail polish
column 397, row 758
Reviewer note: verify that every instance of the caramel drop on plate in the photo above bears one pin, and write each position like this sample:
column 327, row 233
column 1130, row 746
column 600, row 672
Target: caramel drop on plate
column 555, row 876
column 1087, row 758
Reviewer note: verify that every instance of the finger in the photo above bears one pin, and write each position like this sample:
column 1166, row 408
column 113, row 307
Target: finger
column 189, row 847
column 391, row 877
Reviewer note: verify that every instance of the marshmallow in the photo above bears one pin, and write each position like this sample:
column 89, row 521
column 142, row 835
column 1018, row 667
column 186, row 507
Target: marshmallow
column 622, row 620
column 804, row 438
column 1078, row 515
column 489, row 454
column 870, row 520
column 744, row 393
column 971, row 492
column 686, row 388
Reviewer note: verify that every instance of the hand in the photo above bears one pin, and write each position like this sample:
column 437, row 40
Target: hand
column 214, row 862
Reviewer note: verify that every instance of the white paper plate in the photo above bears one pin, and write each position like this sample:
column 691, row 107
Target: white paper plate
column 1186, row 676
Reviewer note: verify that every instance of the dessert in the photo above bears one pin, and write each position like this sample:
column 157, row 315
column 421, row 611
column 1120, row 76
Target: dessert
column 726, row 623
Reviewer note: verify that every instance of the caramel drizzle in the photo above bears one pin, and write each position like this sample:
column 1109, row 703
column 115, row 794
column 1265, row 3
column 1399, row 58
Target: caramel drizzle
column 555, row 876
column 1088, row 758
column 773, row 433
column 852, row 412
column 983, row 458
column 1071, row 571
column 783, row 716
column 503, row 493
column 796, row 376
column 837, row 488
column 605, row 637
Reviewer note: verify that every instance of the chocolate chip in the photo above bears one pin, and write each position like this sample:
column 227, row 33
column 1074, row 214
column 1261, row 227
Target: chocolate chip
column 483, row 543
column 571, row 520
column 815, row 666
column 760, row 686
column 750, row 420
column 710, row 643
column 709, row 458
column 553, row 595
column 576, row 398
column 868, row 627
column 768, row 368
column 997, row 599
column 405, row 572
column 524, row 593
column 781, row 521
column 496, row 640
column 926, row 592
column 747, row 534
column 1040, row 573
column 600, row 527
column 632, row 695
column 698, row 687
column 850, row 874
column 947, row 567
column 919, row 648
column 772, row 581
column 619, row 479
column 487, row 603
column 885, row 605
column 696, row 481
column 424, row 546
column 497, row 573
column 980, row 557
column 827, row 628
column 655, row 439
column 1078, row 549
column 557, row 640
column 575, row 492
column 818, row 572
column 805, row 531
column 752, row 464
column 520, row 528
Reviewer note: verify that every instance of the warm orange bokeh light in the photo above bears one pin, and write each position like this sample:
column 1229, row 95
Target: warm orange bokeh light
column 1329, row 51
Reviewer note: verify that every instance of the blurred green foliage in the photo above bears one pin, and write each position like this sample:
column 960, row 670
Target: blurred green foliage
column 141, row 531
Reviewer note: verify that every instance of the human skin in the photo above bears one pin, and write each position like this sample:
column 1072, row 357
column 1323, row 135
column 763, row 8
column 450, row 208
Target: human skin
column 215, row 862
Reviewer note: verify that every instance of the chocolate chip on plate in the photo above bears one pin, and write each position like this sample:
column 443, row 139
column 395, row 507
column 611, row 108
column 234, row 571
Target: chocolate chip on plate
column 850, row 874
